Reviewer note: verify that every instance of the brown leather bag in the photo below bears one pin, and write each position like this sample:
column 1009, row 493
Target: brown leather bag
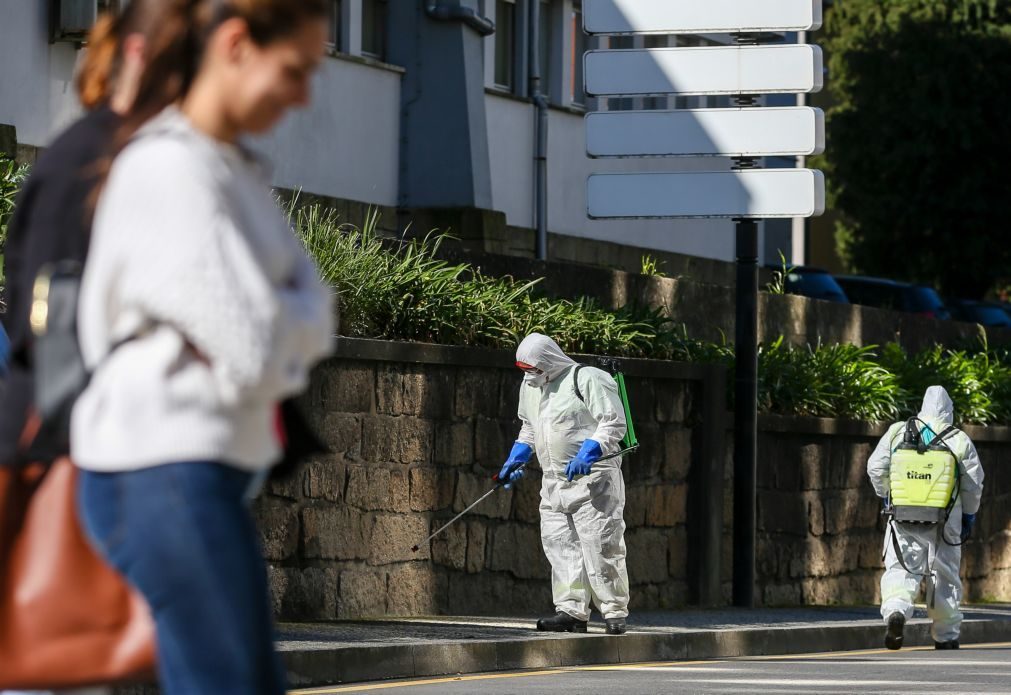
column 67, row 619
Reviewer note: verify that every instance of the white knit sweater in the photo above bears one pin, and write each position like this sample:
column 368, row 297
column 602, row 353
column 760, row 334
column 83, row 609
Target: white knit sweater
column 193, row 263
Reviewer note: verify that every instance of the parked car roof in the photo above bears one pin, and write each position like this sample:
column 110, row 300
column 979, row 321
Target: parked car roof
column 808, row 281
column 893, row 294
column 990, row 314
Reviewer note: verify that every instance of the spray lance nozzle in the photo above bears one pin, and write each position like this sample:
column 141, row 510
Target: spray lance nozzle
column 499, row 483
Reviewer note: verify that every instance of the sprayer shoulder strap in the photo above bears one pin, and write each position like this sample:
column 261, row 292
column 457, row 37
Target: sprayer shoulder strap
column 946, row 433
column 575, row 383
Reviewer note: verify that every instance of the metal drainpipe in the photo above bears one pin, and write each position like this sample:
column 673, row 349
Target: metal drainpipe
column 540, row 130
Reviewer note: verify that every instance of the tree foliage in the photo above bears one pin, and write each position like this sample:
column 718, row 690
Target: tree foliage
column 920, row 137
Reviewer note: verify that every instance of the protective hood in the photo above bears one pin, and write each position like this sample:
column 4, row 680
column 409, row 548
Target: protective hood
column 542, row 352
column 937, row 406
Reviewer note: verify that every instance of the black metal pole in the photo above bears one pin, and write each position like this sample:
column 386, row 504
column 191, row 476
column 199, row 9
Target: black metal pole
column 745, row 413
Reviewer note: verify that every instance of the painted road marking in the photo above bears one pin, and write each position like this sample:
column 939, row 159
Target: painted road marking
column 676, row 666
column 426, row 681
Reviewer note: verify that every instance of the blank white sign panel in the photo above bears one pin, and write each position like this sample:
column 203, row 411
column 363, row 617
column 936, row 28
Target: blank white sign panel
column 753, row 132
column 775, row 69
column 699, row 16
column 758, row 193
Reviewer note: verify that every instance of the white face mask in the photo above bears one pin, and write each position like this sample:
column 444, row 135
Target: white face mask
column 535, row 379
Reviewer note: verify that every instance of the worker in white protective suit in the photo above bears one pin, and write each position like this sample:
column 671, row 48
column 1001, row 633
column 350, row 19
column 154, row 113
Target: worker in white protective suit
column 924, row 542
column 572, row 416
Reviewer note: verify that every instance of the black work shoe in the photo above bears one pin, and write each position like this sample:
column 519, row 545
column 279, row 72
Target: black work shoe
column 561, row 622
column 893, row 634
column 950, row 644
column 615, row 626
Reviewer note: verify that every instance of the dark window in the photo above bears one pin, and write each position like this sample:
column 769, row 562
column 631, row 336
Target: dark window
column 333, row 24
column 884, row 295
column 621, row 103
column 578, row 89
column 655, row 103
column 374, row 28
column 505, row 44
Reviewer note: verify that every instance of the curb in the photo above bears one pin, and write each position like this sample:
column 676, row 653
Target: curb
column 321, row 667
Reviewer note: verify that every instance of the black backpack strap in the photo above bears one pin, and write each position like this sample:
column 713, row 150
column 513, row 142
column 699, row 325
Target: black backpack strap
column 946, row 433
column 575, row 383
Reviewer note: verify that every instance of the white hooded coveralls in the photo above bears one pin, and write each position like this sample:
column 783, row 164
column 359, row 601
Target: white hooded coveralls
column 582, row 524
column 921, row 548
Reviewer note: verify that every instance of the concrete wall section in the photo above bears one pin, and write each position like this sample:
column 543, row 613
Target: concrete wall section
column 346, row 142
column 37, row 94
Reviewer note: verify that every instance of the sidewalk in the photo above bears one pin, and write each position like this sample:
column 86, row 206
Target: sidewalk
column 327, row 654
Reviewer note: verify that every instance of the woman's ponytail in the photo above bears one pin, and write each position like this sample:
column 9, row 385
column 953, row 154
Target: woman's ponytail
column 95, row 75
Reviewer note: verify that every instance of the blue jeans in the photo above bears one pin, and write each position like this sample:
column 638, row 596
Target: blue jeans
column 182, row 535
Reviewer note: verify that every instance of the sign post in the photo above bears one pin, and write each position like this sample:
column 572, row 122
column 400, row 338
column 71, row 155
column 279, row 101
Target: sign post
column 745, row 194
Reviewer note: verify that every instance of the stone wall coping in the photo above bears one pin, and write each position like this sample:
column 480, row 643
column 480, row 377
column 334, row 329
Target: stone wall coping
column 804, row 424
column 430, row 353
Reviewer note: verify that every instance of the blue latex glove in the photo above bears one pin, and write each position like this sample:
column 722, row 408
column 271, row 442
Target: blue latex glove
column 512, row 470
column 588, row 454
column 968, row 521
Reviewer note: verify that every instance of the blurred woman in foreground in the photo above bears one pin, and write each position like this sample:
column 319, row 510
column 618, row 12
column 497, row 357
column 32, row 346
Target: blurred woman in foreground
column 199, row 312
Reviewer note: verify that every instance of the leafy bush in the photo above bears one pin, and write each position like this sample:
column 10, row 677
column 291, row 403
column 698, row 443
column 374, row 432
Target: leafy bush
column 410, row 294
column 902, row 213
column 12, row 175
column 826, row 381
column 407, row 293
column 979, row 383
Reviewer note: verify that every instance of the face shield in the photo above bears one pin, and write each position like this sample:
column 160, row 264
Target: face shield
column 532, row 375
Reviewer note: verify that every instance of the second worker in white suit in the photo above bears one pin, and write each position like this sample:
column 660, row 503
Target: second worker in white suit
column 572, row 416
column 929, row 520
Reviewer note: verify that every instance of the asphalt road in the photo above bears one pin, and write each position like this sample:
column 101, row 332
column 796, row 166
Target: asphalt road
column 973, row 670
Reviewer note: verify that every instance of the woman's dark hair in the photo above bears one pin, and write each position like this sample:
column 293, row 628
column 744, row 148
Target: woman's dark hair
column 103, row 58
column 174, row 49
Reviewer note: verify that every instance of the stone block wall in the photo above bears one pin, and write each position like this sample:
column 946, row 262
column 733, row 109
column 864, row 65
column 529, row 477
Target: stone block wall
column 417, row 431
column 820, row 531
column 414, row 443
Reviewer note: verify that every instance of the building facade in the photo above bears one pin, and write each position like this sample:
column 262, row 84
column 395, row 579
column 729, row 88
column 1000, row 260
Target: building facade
column 418, row 112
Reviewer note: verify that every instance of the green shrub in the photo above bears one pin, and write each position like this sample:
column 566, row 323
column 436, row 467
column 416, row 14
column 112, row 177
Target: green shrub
column 12, row 175
column 407, row 293
column 826, row 381
column 410, row 294
column 979, row 383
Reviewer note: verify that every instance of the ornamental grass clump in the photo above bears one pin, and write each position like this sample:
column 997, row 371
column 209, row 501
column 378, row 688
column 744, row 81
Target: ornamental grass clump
column 407, row 293
column 402, row 291
column 826, row 381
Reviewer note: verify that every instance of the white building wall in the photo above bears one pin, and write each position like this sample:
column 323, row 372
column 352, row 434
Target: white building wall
column 511, row 155
column 37, row 93
column 511, row 149
column 346, row 143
